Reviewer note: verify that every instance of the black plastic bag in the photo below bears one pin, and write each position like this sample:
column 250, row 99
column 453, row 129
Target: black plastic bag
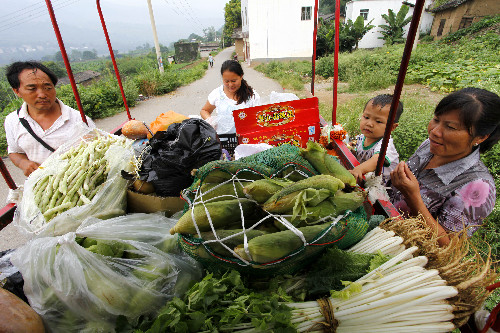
column 170, row 156
column 14, row 282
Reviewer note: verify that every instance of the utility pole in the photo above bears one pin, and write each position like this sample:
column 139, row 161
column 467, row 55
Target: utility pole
column 155, row 36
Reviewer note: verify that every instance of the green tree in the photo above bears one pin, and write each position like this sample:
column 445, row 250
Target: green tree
column 195, row 36
column 89, row 55
column 59, row 71
column 392, row 32
column 58, row 56
column 328, row 7
column 75, row 55
column 349, row 35
column 209, row 34
column 232, row 19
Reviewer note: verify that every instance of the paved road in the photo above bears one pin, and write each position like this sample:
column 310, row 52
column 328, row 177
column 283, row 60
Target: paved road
column 186, row 100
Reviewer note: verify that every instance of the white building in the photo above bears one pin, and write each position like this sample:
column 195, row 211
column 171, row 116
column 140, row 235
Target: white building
column 277, row 29
column 373, row 10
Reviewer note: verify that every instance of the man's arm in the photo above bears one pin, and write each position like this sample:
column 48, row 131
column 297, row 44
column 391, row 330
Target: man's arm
column 22, row 162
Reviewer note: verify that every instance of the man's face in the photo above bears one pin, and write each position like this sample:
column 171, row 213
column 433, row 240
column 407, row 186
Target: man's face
column 37, row 90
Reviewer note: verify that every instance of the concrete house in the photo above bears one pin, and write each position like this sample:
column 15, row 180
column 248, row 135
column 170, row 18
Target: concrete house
column 277, row 29
column 458, row 14
column 373, row 10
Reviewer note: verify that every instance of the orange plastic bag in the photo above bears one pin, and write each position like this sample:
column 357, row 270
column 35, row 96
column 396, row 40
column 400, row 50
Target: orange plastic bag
column 164, row 120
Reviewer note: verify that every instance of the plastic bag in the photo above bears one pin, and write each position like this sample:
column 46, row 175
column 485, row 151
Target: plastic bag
column 276, row 97
column 110, row 201
column 249, row 149
column 172, row 154
column 164, row 120
column 75, row 290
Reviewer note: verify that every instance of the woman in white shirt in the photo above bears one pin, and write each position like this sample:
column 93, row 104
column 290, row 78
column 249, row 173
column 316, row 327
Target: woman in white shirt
column 233, row 94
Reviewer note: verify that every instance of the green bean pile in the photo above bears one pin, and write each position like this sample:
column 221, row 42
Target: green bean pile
column 78, row 181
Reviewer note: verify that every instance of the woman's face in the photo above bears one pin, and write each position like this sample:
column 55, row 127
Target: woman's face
column 231, row 81
column 449, row 137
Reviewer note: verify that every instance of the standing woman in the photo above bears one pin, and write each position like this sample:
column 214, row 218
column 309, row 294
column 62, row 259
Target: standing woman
column 445, row 180
column 233, row 94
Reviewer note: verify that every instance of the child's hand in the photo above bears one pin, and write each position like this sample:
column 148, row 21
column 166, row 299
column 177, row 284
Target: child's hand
column 358, row 174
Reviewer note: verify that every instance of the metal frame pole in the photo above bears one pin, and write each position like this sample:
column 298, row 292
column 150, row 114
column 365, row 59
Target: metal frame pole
column 112, row 55
column 315, row 34
column 336, row 62
column 417, row 12
column 65, row 58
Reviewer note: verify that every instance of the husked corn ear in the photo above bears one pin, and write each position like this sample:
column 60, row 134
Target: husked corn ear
column 270, row 247
column 221, row 213
column 218, row 192
column 231, row 242
column 261, row 190
column 326, row 164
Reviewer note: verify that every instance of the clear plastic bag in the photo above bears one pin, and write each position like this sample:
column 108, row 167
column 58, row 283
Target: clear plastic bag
column 75, row 290
column 110, row 201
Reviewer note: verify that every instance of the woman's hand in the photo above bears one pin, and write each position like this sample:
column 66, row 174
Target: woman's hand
column 404, row 180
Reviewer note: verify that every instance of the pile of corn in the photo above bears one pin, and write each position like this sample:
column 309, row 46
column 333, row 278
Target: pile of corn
column 258, row 220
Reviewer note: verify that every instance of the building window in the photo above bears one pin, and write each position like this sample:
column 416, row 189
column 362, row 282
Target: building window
column 466, row 22
column 364, row 13
column 441, row 27
column 306, row 13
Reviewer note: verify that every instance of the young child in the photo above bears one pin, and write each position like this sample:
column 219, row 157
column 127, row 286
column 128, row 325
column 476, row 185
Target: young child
column 372, row 125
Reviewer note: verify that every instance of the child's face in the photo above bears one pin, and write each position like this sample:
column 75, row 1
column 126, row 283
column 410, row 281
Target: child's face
column 373, row 120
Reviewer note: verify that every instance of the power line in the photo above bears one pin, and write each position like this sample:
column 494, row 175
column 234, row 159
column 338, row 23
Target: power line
column 184, row 14
column 20, row 19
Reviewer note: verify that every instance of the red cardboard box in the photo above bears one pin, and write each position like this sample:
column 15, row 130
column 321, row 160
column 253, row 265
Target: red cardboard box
column 293, row 122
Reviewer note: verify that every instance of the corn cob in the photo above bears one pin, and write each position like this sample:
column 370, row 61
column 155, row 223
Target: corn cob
column 213, row 192
column 333, row 207
column 316, row 182
column 230, row 242
column 326, row 164
column 221, row 213
column 270, row 247
column 261, row 190
column 222, row 171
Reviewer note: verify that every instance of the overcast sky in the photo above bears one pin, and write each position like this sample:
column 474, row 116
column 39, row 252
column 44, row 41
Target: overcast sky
column 127, row 21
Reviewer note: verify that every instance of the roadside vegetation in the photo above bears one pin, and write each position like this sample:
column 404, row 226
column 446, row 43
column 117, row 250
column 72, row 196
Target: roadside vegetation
column 467, row 58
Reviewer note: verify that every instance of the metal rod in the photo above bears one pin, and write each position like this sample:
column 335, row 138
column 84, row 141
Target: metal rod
column 336, row 62
column 315, row 34
column 417, row 12
column 65, row 59
column 112, row 55
column 6, row 175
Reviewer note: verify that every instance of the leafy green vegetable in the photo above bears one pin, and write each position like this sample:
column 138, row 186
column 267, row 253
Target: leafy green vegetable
column 217, row 304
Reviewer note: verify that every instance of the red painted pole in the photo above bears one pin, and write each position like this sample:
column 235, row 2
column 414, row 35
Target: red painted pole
column 6, row 175
column 417, row 12
column 315, row 34
column 111, row 53
column 336, row 62
column 65, row 58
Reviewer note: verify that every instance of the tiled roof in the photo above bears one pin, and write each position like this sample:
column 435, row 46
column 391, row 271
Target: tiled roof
column 79, row 77
column 448, row 5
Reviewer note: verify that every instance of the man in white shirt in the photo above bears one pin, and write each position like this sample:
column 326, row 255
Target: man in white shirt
column 48, row 122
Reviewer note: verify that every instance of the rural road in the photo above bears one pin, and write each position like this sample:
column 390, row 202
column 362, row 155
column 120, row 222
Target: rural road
column 186, row 100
